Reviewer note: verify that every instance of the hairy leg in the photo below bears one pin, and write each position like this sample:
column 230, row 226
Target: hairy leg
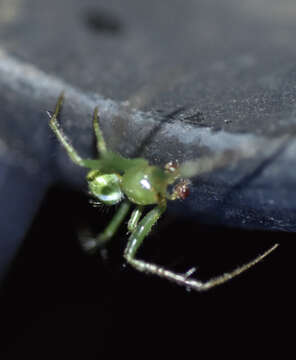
column 53, row 123
column 143, row 229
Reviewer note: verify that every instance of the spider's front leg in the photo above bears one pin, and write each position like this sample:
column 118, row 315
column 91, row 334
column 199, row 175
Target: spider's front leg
column 134, row 219
column 138, row 235
column 136, row 239
column 144, row 228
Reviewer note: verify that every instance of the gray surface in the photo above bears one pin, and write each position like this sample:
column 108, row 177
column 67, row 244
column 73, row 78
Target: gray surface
column 207, row 76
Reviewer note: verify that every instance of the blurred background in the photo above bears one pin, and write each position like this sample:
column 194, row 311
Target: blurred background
column 173, row 80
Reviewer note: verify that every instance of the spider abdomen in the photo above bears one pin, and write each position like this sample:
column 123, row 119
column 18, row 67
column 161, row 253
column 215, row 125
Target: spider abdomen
column 144, row 185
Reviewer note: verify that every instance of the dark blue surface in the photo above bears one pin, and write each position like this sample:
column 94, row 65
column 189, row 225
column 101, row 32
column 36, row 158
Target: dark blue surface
column 20, row 197
column 197, row 77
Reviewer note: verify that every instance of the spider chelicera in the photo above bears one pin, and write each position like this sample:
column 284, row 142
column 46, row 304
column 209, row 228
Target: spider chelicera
column 113, row 178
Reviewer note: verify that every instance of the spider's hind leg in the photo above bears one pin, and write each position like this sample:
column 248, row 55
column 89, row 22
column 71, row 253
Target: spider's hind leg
column 53, row 123
column 100, row 142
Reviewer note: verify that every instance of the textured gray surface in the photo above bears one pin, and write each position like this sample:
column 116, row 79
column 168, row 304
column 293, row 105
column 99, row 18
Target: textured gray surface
column 173, row 80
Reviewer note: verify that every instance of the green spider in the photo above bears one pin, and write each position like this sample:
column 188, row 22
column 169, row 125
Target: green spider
column 113, row 178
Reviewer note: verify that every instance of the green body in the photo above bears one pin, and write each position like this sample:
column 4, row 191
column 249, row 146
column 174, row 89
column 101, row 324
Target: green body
column 145, row 185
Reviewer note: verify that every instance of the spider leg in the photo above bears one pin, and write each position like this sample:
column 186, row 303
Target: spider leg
column 92, row 244
column 206, row 285
column 53, row 123
column 143, row 229
column 101, row 145
column 134, row 219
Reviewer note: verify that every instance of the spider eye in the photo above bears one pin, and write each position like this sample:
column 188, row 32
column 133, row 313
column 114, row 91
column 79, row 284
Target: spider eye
column 105, row 187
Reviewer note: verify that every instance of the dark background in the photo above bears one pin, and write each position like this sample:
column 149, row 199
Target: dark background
column 59, row 302
column 200, row 77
